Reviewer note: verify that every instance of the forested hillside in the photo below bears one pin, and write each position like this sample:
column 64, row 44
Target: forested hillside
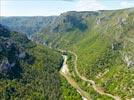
column 105, row 47
column 29, row 70
column 103, row 42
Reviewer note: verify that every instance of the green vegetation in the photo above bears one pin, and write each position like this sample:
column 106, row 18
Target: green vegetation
column 84, row 85
column 105, row 50
column 104, row 44
column 30, row 71
column 69, row 92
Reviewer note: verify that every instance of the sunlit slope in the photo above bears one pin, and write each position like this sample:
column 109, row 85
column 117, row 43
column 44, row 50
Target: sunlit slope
column 103, row 42
column 105, row 50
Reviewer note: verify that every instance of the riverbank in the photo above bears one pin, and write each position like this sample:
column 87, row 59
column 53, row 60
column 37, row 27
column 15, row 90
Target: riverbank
column 65, row 72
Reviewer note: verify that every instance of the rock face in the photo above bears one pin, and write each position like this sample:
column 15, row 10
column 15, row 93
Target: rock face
column 8, row 52
column 98, row 21
column 68, row 21
column 128, row 59
column 11, row 53
column 5, row 67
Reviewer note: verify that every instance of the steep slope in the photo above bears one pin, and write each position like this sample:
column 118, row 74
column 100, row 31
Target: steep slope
column 104, row 44
column 70, row 24
column 29, row 70
column 28, row 25
column 109, row 55
column 26, row 68
column 105, row 49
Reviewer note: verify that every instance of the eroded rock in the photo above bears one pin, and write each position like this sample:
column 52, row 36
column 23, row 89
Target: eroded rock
column 5, row 66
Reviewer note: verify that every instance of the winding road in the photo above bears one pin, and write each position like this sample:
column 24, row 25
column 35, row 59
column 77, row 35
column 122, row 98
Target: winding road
column 91, row 82
column 65, row 72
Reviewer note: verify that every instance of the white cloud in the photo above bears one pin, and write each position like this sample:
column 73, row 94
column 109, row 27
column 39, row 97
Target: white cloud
column 3, row 7
column 127, row 4
column 89, row 5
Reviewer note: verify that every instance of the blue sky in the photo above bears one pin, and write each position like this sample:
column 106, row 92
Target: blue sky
column 56, row 7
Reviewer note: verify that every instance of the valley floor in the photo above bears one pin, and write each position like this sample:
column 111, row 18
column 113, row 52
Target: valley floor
column 86, row 96
column 65, row 72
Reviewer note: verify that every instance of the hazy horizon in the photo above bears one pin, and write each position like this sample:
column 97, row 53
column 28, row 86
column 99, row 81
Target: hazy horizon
column 54, row 8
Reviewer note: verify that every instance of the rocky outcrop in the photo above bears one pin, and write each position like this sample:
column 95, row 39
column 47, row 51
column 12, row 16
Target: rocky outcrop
column 5, row 66
column 121, row 20
column 98, row 21
column 128, row 59
column 67, row 22
column 11, row 54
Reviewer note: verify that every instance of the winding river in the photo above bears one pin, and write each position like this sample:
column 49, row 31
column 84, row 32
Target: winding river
column 65, row 72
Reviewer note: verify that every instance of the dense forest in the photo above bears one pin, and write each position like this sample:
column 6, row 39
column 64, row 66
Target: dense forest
column 104, row 48
column 103, row 42
column 29, row 70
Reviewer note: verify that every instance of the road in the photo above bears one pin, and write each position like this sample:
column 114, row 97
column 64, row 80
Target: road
column 65, row 72
column 91, row 82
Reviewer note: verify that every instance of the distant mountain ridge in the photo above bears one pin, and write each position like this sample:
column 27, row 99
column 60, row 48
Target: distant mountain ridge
column 28, row 25
column 103, row 41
